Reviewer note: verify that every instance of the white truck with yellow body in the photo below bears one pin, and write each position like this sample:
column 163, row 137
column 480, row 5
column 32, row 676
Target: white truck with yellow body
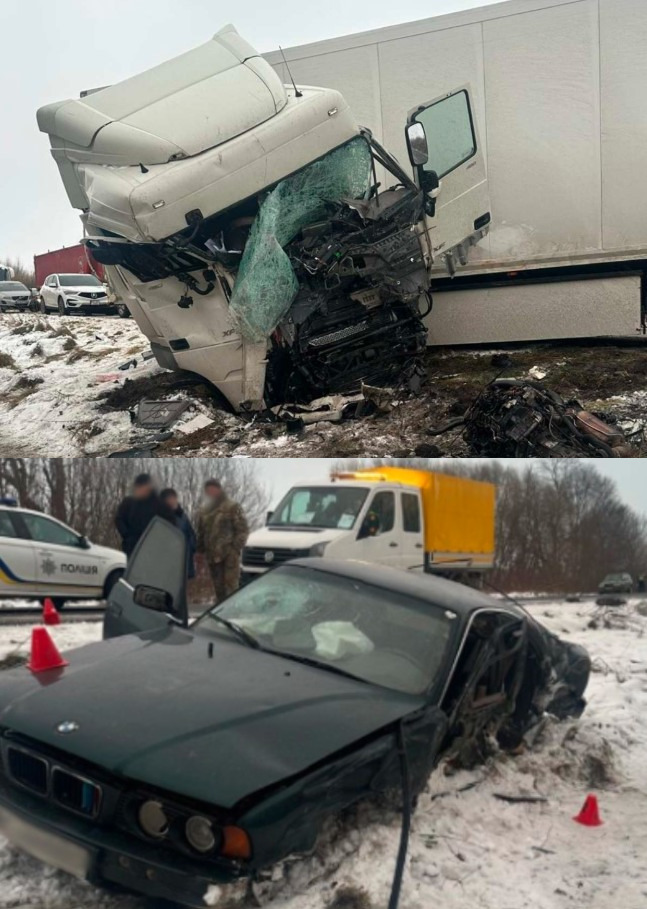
column 410, row 519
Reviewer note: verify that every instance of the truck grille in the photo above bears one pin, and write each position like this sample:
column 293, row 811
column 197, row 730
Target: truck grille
column 71, row 791
column 267, row 557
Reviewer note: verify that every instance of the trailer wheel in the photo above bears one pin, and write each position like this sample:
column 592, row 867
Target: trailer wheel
column 62, row 308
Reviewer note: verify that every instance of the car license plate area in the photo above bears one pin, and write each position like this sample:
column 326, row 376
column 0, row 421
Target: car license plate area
column 45, row 846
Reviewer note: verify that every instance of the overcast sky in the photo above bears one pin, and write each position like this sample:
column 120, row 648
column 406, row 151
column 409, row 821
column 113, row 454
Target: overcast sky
column 51, row 49
column 281, row 473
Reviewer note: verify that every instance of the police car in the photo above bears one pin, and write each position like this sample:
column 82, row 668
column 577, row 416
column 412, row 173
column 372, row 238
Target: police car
column 42, row 557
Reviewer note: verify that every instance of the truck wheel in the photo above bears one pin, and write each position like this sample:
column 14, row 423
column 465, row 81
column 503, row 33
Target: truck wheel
column 62, row 308
column 111, row 580
column 122, row 311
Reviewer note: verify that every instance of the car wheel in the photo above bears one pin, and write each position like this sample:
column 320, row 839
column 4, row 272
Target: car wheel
column 41, row 306
column 62, row 308
column 123, row 311
column 111, row 580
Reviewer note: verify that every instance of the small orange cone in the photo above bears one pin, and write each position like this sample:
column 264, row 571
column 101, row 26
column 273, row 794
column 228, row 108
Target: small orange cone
column 50, row 613
column 44, row 652
column 589, row 816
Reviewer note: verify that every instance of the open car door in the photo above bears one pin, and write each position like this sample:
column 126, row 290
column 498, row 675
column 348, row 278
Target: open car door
column 444, row 149
column 152, row 591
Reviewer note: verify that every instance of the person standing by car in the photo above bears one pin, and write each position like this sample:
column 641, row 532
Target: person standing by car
column 222, row 533
column 171, row 499
column 137, row 510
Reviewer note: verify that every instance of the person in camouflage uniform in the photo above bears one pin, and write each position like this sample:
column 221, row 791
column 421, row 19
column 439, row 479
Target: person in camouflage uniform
column 221, row 534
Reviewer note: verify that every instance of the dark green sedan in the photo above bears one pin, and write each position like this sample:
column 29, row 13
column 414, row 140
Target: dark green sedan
column 183, row 760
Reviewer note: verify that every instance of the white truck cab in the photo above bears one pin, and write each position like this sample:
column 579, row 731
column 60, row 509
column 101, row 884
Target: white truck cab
column 42, row 557
column 408, row 519
column 257, row 234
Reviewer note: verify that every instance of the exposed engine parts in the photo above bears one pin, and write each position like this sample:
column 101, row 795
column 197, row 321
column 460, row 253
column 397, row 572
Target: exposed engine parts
column 523, row 419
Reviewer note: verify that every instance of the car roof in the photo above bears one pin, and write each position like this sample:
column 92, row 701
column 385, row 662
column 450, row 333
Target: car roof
column 436, row 591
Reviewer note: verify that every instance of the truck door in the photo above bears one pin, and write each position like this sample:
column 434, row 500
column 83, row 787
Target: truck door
column 152, row 591
column 445, row 151
column 413, row 552
column 379, row 538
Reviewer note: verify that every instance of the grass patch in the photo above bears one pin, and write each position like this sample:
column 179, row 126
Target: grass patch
column 7, row 361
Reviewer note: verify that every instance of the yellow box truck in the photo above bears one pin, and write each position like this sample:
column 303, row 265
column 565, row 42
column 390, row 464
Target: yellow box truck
column 416, row 520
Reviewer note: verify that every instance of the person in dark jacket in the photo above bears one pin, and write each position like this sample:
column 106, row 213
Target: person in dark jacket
column 137, row 510
column 172, row 501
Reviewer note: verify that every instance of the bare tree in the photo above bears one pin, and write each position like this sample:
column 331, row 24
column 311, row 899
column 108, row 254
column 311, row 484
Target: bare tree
column 85, row 492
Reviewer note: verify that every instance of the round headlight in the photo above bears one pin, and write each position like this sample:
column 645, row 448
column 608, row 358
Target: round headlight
column 153, row 819
column 200, row 834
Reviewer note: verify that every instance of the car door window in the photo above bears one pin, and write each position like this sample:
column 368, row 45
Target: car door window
column 486, row 669
column 380, row 517
column 42, row 530
column 410, row 513
column 7, row 528
column 449, row 129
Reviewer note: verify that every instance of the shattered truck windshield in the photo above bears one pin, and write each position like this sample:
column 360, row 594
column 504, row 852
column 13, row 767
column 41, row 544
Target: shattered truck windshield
column 343, row 625
column 320, row 507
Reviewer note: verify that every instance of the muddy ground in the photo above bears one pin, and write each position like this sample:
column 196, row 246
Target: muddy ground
column 71, row 386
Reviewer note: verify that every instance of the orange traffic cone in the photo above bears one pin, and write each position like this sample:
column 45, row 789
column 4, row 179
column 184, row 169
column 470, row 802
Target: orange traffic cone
column 50, row 613
column 589, row 816
column 44, row 652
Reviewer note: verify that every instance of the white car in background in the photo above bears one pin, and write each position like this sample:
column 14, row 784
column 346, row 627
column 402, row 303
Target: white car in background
column 14, row 295
column 75, row 293
column 42, row 557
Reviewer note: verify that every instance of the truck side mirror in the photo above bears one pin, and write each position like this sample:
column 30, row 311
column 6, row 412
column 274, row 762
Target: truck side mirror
column 417, row 144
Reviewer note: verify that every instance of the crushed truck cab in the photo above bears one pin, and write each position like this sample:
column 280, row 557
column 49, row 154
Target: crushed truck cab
column 259, row 236
column 410, row 519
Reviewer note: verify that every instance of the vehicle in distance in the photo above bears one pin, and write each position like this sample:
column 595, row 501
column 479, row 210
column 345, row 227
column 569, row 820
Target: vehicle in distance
column 74, row 293
column 617, row 582
column 14, row 295
column 184, row 760
column 419, row 520
column 42, row 557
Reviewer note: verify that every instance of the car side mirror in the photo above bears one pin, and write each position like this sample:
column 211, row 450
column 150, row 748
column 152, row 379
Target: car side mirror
column 269, row 516
column 84, row 543
column 417, row 144
column 153, row 598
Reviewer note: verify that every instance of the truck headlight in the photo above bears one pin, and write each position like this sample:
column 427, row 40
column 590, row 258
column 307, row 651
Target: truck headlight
column 318, row 549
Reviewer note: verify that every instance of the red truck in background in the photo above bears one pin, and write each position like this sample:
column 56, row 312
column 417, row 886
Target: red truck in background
column 73, row 260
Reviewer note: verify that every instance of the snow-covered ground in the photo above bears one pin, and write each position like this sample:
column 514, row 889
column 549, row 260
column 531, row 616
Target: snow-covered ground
column 55, row 374
column 468, row 847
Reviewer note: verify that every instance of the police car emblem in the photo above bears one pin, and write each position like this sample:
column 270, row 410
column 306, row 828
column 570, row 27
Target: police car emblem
column 67, row 726
column 269, row 556
column 48, row 566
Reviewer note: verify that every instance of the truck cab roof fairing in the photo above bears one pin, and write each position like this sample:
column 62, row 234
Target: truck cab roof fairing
column 197, row 100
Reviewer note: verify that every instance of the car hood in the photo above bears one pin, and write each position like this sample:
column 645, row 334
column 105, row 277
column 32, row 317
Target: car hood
column 14, row 293
column 84, row 288
column 158, row 709
column 106, row 553
column 293, row 538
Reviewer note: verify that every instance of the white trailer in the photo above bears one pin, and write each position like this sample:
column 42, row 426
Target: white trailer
column 561, row 106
